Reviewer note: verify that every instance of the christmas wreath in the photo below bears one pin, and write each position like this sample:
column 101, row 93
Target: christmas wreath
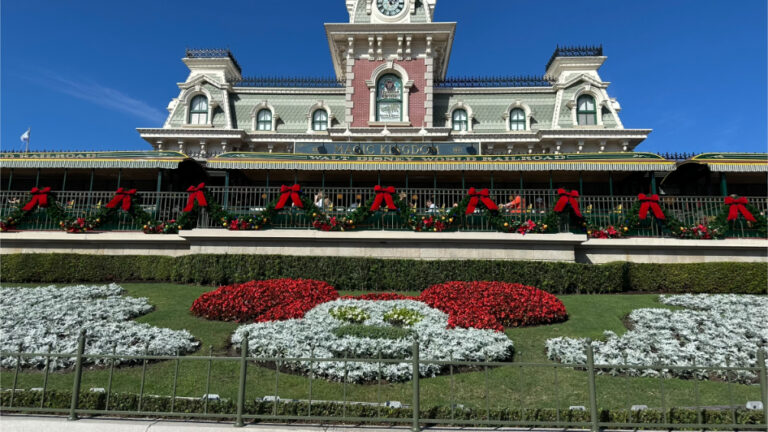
column 41, row 198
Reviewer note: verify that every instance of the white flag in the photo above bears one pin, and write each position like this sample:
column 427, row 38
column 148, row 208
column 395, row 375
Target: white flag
column 25, row 137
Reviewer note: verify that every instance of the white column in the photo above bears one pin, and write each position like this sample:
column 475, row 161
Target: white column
column 224, row 147
column 181, row 146
column 159, row 145
column 203, row 151
column 372, row 116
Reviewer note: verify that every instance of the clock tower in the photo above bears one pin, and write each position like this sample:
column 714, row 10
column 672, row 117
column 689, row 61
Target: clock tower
column 389, row 55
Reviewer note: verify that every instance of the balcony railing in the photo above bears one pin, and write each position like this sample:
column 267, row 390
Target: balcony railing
column 515, row 204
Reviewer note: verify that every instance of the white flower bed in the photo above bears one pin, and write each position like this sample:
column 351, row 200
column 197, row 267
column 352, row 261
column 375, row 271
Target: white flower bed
column 49, row 318
column 313, row 336
column 714, row 330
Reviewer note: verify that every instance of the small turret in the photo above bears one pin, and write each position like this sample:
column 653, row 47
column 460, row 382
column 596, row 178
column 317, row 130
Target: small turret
column 217, row 64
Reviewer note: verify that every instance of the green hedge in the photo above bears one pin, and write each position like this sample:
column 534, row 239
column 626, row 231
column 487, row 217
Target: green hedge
column 130, row 402
column 368, row 274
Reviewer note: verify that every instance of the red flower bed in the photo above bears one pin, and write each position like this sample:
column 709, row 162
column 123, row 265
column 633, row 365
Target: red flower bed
column 380, row 297
column 494, row 305
column 262, row 301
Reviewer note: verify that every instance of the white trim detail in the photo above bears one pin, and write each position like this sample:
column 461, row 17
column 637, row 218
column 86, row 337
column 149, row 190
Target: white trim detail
column 381, row 70
column 599, row 101
column 319, row 105
column 255, row 112
column 186, row 99
column 470, row 117
column 528, row 115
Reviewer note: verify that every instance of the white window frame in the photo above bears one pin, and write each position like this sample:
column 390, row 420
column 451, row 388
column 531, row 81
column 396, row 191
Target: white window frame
column 528, row 116
column 255, row 121
column 470, row 117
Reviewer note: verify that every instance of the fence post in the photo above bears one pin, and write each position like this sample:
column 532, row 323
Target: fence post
column 416, row 389
column 592, row 392
column 243, row 373
column 763, row 383
column 78, row 376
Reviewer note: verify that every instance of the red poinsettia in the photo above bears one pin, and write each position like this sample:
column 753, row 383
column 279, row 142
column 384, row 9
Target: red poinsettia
column 494, row 305
column 262, row 301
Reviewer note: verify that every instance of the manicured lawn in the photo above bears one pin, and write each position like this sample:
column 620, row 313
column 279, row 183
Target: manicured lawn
column 511, row 386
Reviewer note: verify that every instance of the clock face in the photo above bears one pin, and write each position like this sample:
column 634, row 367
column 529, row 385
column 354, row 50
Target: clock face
column 390, row 7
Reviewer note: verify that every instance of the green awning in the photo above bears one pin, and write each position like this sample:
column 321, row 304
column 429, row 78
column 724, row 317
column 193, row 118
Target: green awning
column 734, row 162
column 134, row 159
column 546, row 162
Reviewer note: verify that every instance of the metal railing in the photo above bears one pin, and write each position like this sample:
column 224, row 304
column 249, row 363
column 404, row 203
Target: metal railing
column 518, row 205
column 244, row 408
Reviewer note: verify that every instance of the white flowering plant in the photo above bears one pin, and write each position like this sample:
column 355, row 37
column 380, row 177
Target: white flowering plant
column 49, row 319
column 712, row 331
column 313, row 337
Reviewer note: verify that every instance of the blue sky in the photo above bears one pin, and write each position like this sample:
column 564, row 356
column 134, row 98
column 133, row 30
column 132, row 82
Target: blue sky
column 85, row 73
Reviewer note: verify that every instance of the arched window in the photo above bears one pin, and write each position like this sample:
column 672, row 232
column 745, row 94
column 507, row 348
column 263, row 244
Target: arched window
column 264, row 120
column 389, row 99
column 198, row 110
column 320, row 120
column 517, row 120
column 460, row 121
column 586, row 111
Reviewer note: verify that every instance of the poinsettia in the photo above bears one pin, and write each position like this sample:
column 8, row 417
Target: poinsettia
column 494, row 305
column 262, row 301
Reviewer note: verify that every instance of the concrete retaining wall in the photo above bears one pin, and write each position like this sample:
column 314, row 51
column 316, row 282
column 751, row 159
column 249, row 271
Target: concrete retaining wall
column 392, row 244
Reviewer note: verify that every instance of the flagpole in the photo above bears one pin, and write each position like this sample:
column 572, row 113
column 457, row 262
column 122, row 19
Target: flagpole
column 29, row 137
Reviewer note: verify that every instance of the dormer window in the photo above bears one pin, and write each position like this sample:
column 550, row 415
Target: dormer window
column 320, row 120
column 198, row 111
column 586, row 111
column 264, row 120
column 389, row 99
column 517, row 120
column 460, row 121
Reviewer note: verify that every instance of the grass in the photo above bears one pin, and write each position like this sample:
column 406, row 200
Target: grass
column 511, row 386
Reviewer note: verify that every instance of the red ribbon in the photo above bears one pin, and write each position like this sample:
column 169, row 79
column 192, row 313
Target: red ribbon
column 566, row 198
column 292, row 193
column 39, row 198
column 477, row 196
column 384, row 194
column 652, row 203
column 196, row 194
column 738, row 205
column 122, row 196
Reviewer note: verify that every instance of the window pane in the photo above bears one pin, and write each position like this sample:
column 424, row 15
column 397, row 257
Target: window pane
column 518, row 114
column 265, row 115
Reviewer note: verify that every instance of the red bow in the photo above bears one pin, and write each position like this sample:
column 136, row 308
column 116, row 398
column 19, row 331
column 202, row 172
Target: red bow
column 195, row 194
column 738, row 205
column 566, row 197
column 122, row 196
column 477, row 196
column 39, row 198
column 384, row 194
column 652, row 203
column 292, row 193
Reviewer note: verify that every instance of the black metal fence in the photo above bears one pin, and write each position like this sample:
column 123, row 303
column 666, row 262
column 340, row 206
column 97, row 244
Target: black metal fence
column 483, row 412
column 519, row 205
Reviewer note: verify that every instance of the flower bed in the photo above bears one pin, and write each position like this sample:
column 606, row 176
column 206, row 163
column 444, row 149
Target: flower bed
column 494, row 305
column 261, row 301
column 318, row 335
column 37, row 320
column 713, row 330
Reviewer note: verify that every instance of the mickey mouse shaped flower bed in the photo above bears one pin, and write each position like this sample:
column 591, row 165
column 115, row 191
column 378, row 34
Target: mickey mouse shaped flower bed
column 460, row 321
